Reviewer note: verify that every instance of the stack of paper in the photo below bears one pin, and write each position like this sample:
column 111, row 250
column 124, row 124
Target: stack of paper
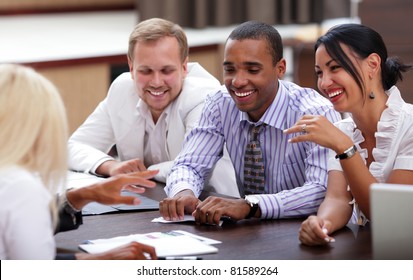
column 171, row 243
column 187, row 218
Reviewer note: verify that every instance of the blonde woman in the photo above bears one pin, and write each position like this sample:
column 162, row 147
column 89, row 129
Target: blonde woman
column 33, row 161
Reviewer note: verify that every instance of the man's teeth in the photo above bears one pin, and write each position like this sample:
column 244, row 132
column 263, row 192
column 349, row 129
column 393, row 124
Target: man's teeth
column 335, row 93
column 243, row 94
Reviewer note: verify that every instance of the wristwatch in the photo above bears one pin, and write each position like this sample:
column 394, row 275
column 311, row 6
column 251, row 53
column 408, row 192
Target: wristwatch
column 253, row 202
column 66, row 205
column 69, row 212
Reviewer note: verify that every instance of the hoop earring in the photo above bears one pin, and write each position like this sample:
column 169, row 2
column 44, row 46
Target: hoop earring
column 371, row 95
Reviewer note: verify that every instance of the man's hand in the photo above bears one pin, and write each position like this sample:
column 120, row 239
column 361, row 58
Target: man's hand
column 212, row 209
column 174, row 209
column 113, row 167
column 109, row 191
column 131, row 251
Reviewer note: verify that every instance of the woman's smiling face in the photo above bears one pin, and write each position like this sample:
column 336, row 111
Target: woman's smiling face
column 335, row 83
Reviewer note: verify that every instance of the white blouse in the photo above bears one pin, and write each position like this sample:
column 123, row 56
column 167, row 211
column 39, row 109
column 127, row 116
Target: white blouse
column 25, row 226
column 394, row 142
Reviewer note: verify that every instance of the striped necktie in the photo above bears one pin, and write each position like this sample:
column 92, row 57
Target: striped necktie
column 254, row 177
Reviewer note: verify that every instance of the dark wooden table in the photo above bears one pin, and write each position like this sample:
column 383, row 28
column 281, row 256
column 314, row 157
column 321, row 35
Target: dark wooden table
column 247, row 239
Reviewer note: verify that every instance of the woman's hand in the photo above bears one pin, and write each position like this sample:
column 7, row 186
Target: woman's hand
column 320, row 130
column 314, row 231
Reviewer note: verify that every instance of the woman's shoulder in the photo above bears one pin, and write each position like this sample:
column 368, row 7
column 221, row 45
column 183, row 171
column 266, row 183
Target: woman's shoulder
column 398, row 115
column 347, row 123
column 20, row 182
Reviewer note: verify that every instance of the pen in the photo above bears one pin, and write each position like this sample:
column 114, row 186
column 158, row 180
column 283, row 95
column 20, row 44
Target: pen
column 180, row 258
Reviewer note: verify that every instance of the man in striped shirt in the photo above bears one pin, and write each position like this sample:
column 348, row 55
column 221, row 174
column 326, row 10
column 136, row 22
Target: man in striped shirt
column 254, row 94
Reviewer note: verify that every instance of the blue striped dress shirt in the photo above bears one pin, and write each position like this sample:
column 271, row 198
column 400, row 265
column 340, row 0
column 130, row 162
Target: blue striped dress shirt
column 296, row 173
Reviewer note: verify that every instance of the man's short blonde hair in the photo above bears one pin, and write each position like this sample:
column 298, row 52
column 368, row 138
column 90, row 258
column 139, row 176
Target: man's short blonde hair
column 154, row 29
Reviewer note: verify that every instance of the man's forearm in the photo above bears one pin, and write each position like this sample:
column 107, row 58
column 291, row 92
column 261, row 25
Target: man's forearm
column 104, row 168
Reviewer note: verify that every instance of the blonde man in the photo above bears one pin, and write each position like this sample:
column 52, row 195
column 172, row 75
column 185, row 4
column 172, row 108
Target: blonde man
column 149, row 111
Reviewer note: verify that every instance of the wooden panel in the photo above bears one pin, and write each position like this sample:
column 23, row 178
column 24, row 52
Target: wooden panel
column 304, row 74
column 406, row 86
column 392, row 19
column 210, row 58
column 82, row 88
column 12, row 6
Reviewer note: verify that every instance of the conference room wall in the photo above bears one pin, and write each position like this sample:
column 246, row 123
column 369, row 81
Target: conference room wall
column 29, row 6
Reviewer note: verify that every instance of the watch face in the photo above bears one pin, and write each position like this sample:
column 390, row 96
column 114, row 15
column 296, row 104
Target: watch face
column 252, row 199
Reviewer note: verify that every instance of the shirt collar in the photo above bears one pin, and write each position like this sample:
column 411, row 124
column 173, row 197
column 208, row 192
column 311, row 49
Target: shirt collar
column 143, row 109
column 276, row 113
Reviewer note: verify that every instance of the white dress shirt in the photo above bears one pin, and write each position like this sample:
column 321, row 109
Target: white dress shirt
column 394, row 143
column 25, row 226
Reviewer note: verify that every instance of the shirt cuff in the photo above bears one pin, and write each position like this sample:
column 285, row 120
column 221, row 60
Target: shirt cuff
column 271, row 206
column 65, row 203
column 171, row 192
column 98, row 163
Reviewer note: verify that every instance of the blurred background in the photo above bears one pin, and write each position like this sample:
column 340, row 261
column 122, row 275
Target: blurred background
column 81, row 44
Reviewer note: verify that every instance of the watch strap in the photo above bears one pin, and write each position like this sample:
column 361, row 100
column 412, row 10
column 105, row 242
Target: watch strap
column 253, row 210
column 347, row 153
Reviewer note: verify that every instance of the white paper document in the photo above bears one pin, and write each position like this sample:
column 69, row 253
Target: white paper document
column 171, row 243
column 78, row 179
column 187, row 218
